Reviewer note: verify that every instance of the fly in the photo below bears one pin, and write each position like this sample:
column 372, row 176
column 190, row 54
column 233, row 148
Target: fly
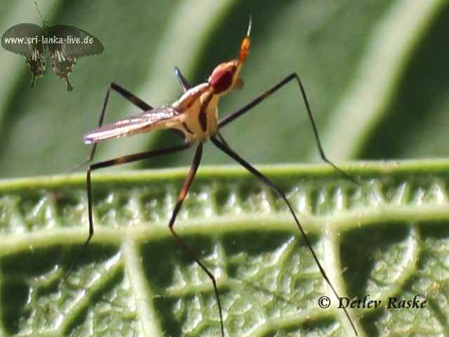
column 195, row 116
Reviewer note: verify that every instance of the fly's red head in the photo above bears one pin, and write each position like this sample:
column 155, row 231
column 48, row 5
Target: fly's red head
column 226, row 76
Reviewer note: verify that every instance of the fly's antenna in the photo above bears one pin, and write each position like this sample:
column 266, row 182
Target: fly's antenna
column 246, row 43
column 250, row 24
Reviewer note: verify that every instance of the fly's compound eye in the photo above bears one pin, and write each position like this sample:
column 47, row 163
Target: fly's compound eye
column 221, row 79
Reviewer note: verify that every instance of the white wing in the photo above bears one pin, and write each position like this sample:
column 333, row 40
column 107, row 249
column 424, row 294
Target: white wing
column 159, row 118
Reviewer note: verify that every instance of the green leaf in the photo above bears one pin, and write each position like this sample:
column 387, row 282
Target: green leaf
column 385, row 238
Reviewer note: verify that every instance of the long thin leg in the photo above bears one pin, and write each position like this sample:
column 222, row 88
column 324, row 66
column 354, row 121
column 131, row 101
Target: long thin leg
column 228, row 119
column 182, row 195
column 231, row 153
column 182, row 80
column 113, row 162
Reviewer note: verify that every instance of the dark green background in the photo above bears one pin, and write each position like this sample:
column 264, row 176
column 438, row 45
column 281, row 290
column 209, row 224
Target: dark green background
column 326, row 42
